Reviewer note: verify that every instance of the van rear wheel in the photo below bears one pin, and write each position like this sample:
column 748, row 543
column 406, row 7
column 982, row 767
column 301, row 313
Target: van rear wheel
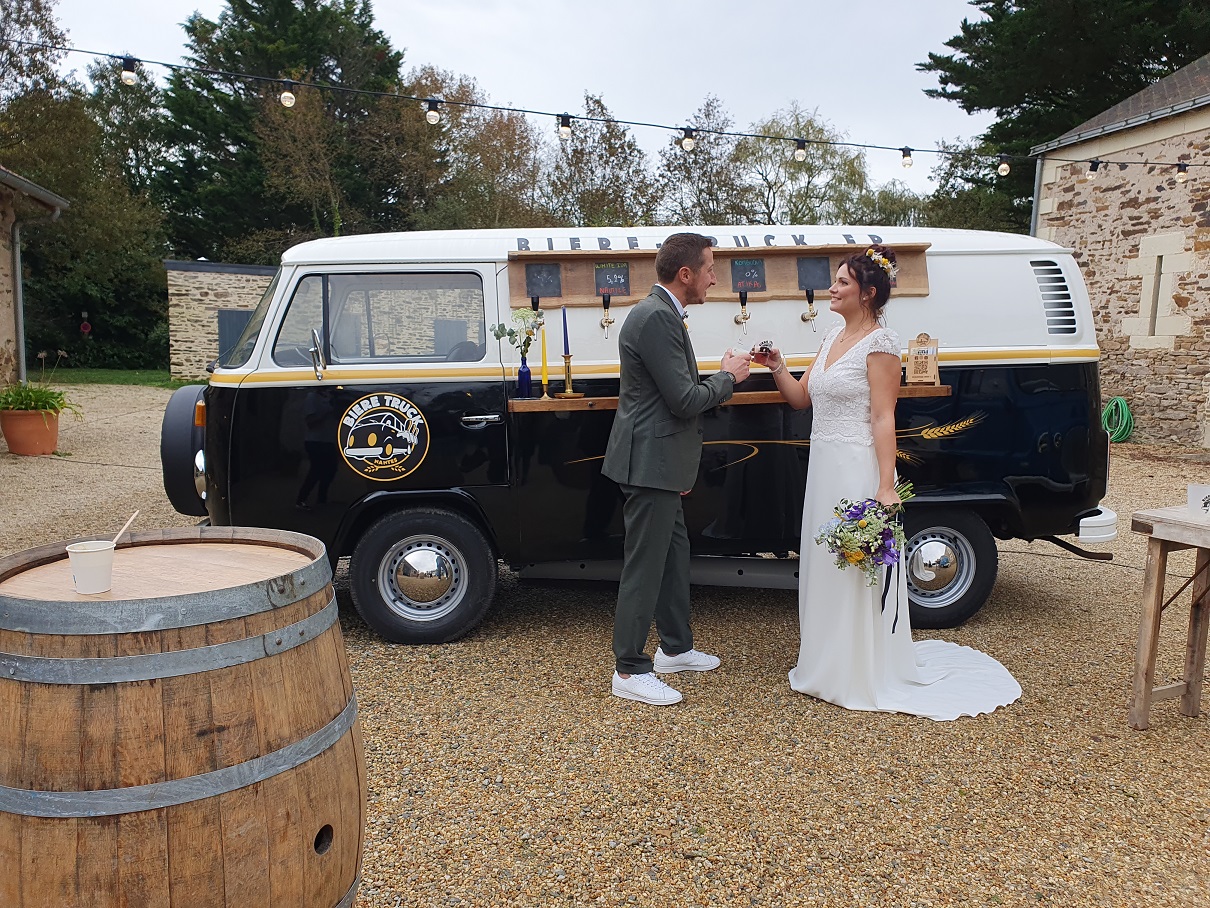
column 951, row 562
column 423, row 575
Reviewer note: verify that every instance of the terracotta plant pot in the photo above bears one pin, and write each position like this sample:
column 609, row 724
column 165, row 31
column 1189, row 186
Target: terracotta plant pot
column 30, row 431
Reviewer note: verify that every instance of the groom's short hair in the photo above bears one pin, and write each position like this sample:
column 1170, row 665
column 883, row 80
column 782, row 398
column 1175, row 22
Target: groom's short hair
column 679, row 251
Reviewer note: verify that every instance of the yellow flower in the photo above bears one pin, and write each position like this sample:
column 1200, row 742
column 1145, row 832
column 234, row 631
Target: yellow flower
column 862, row 523
column 854, row 557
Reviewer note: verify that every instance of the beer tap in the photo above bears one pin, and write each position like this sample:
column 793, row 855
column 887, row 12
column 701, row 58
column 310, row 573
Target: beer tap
column 742, row 318
column 606, row 321
column 540, row 320
column 811, row 313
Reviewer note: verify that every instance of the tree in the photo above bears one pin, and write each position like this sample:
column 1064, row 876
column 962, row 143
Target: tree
column 1046, row 66
column 891, row 204
column 24, row 23
column 494, row 177
column 707, row 185
column 214, row 185
column 968, row 194
column 131, row 119
column 103, row 256
column 599, row 176
column 817, row 190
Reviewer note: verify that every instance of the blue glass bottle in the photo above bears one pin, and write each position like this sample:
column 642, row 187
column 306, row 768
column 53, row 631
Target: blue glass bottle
column 524, row 381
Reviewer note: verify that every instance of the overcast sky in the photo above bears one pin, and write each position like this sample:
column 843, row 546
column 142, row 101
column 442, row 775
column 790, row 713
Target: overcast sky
column 651, row 61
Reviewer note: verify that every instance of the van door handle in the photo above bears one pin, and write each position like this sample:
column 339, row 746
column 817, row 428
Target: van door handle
column 478, row 422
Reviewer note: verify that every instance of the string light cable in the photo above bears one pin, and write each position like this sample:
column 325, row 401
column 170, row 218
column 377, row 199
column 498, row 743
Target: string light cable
column 684, row 136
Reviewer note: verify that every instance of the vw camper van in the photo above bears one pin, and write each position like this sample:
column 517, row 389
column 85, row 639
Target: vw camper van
column 369, row 403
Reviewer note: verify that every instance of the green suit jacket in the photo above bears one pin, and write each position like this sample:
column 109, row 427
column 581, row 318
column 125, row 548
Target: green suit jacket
column 656, row 440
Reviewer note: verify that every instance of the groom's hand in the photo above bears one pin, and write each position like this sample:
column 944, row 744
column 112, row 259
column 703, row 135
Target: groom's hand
column 737, row 364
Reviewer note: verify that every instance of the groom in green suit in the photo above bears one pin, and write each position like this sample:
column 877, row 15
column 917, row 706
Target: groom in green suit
column 653, row 453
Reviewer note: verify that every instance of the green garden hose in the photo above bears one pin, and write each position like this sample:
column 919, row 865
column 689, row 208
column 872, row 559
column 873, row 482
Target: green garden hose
column 1116, row 419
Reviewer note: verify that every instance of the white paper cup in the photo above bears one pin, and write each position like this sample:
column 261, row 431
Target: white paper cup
column 1199, row 500
column 91, row 565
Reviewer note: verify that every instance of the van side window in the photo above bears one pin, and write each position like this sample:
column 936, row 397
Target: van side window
column 406, row 317
column 293, row 344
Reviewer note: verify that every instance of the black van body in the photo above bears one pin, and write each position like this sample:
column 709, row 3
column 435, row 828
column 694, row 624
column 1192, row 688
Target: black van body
column 426, row 471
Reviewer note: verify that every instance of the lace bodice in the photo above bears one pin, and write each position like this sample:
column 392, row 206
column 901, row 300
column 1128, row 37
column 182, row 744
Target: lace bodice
column 840, row 394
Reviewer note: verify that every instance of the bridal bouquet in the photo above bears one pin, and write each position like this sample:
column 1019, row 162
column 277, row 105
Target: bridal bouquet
column 866, row 534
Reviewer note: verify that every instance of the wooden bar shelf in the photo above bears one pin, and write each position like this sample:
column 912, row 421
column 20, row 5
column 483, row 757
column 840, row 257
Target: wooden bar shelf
column 557, row 405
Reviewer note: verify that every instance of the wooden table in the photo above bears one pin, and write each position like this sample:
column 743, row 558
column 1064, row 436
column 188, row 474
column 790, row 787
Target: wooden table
column 1169, row 530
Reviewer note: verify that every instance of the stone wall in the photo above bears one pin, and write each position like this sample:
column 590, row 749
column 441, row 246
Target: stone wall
column 8, row 290
column 196, row 293
column 1142, row 240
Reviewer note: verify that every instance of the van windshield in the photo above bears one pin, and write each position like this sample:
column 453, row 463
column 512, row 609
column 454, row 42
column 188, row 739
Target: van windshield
column 241, row 350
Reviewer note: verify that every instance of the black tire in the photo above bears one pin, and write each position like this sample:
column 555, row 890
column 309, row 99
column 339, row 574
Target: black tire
column 439, row 541
column 951, row 562
column 180, row 440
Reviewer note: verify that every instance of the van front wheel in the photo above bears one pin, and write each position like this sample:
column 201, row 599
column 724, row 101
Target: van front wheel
column 951, row 563
column 423, row 575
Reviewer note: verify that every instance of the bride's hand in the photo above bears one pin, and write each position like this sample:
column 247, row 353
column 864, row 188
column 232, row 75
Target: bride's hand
column 889, row 497
column 773, row 360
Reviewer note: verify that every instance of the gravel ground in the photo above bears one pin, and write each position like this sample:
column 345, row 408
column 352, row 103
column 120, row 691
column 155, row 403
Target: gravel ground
column 502, row 772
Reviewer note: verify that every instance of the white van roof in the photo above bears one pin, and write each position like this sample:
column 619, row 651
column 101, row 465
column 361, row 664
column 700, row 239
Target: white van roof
column 495, row 245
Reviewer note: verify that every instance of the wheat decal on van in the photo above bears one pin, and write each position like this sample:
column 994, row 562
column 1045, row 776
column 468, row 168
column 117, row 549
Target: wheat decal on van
column 945, row 431
column 948, row 430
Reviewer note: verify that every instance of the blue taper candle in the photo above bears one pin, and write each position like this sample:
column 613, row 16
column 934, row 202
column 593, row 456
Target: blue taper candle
column 566, row 347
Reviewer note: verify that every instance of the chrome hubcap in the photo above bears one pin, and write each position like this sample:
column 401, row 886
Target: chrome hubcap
column 940, row 567
column 423, row 578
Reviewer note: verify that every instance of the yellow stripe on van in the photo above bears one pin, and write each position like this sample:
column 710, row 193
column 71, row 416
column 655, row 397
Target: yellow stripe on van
column 370, row 373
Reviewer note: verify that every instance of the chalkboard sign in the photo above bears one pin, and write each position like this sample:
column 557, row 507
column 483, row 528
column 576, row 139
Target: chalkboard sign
column 747, row 275
column 613, row 278
column 814, row 273
column 543, row 279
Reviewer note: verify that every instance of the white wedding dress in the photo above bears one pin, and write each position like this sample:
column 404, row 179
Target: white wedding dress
column 849, row 654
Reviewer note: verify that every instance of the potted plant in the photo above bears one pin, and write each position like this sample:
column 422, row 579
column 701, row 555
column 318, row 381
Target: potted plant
column 29, row 412
column 529, row 321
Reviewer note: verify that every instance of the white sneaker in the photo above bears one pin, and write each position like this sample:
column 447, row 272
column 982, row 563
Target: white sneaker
column 691, row 661
column 646, row 689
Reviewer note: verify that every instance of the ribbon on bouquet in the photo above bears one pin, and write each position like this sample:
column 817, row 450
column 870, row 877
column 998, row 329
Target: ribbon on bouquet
column 886, row 586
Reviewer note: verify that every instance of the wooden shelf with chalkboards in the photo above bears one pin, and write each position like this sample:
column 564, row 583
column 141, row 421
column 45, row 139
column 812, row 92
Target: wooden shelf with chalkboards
column 576, row 277
column 740, row 398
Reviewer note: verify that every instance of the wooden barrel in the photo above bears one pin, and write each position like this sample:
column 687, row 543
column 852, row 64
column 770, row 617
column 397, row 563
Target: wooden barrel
column 188, row 738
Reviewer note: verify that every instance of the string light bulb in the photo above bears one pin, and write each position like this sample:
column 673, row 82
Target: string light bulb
column 564, row 126
column 1094, row 167
column 434, row 113
column 128, row 75
column 907, row 156
column 1182, row 172
column 287, row 94
column 800, row 153
column 688, row 141
column 1004, row 166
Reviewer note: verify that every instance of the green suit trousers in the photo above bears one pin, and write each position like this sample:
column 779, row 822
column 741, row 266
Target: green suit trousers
column 655, row 579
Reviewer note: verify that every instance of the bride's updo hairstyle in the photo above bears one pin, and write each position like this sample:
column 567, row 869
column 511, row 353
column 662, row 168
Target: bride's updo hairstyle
column 874, row 268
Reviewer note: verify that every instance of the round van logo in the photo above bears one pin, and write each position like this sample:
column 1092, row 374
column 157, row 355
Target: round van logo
column 383, row 437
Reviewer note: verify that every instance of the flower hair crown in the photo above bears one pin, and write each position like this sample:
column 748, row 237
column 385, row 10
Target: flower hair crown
column 882, row 262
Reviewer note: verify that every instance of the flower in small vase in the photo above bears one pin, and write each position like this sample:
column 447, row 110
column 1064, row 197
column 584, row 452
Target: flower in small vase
column 528, row 321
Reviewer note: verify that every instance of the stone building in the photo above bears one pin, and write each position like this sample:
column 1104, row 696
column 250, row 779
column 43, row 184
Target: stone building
column 1141, row 233
column 208, row 303
column 20, row 202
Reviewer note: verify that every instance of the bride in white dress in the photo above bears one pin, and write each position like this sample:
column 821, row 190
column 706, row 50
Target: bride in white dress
column 855, row 652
